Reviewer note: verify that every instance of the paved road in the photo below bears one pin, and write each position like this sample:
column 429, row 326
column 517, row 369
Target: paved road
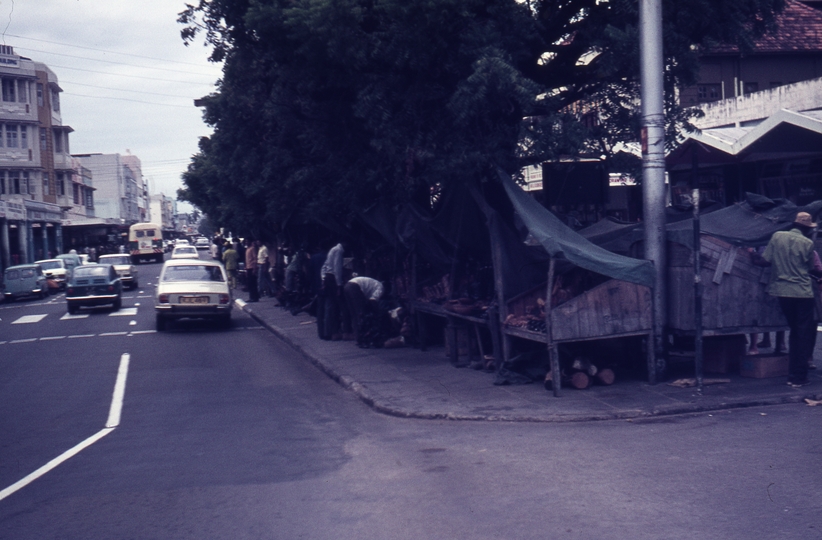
column 229, row 434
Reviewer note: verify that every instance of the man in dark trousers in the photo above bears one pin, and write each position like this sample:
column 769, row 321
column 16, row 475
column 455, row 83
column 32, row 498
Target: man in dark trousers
column 790, row 255
column 251, row 271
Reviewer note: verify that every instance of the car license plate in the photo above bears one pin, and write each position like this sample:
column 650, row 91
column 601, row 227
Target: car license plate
column 194, row 299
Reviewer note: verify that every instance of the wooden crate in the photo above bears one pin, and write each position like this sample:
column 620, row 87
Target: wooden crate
column 734, row 299
column 761, row 366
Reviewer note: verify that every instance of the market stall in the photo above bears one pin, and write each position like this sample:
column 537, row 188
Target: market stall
column 587, row 293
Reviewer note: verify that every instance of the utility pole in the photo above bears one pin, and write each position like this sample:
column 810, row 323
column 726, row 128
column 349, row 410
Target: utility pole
column 653, row 169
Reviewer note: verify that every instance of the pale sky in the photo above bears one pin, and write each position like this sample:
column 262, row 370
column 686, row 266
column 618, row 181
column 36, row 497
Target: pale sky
column 128, row 81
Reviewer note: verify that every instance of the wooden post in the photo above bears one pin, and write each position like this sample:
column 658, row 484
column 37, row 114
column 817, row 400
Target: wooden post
column 503, row 353
column 698, row 363
column 553, row 357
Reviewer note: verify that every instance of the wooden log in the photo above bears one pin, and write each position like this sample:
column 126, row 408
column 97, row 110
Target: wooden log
column 580, row 380
column 606, row 376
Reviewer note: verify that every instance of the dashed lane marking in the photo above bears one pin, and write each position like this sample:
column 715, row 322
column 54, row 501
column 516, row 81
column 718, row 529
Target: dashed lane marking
column 68, row 317
column 52, row 338
column 29, row 319
column 29, row 340
column 124, row 312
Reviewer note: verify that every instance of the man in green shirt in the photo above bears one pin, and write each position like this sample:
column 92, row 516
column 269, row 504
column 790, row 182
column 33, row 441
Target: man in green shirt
column 790, row 254
column 230, row 257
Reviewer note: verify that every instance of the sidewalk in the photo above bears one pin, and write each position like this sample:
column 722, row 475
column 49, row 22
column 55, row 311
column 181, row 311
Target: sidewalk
column 408, row 382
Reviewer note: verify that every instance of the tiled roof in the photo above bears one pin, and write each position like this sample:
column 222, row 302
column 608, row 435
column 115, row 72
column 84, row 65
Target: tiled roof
column 799, row 29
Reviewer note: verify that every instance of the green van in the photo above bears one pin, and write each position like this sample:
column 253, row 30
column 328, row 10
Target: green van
column 24, row 280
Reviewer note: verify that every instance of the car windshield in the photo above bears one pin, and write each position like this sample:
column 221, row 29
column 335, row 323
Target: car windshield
column 50, row 265
column 193, row 273
column 124, row 259
column 12, row 274
column 91, row 271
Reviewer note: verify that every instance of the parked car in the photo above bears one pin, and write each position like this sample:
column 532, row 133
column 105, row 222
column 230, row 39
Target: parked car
column 24, row 280
column 185, row 252
column 192, row 289
column 94, row 285
column 72, row 262
column 202, row 243
column 181, row 242
column 123, row 266
column 56, row 272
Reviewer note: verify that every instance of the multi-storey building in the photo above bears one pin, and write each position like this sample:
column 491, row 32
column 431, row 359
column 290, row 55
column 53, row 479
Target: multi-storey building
column 162, row 212
column 34, row 160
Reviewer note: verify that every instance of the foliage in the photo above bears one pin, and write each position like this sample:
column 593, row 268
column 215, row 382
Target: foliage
column 327, row 105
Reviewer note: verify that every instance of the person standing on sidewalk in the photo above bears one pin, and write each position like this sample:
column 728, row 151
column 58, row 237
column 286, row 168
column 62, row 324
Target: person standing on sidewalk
column 263, row 279
column 330, row 306
column 362, row 295
column 251, row 271
column 790, row 255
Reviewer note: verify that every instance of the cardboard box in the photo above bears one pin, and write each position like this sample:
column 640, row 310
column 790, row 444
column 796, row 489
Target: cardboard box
column 764, row 366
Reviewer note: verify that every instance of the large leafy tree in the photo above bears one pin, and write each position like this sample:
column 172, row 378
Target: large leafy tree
column 328, row 105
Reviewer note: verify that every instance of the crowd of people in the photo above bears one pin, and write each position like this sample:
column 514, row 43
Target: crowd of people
column 321, row 282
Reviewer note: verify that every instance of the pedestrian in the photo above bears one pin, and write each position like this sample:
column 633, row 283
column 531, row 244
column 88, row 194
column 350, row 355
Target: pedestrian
column 263, row 278
column 362, row 295
column 790, row 255
column 215, row 250
column 251, row 270
column 230, row 258
column 329, row 307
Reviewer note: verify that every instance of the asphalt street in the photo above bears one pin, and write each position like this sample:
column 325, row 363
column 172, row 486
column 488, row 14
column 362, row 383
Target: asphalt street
column 231, row 434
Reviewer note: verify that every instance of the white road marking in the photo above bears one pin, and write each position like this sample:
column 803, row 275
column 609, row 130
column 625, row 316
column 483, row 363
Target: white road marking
column 124, row 312
column 132, row 323
column 113, row 334
column 119, row 393
column 143, row 332
column 23, row 340
column 52, row 338
column 28, row 319
column 68, row 317
column 137, row 304
column 54, row 463
column 82, row 336
column 113, row 421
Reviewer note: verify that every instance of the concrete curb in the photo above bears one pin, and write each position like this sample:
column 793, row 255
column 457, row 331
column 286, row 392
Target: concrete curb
column 375, row 403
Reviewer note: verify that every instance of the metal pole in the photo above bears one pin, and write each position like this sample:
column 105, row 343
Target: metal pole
column 697, row 272
column 653, row 168
column 553, row 357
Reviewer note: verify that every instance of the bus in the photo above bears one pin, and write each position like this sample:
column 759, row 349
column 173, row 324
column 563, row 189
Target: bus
column 145, row 242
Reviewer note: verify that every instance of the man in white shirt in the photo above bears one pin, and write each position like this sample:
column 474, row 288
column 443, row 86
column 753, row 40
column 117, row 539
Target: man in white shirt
column 362, row 294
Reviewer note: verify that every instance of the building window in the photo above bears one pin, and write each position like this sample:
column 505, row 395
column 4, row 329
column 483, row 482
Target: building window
column 11, row 136
column 61, row 184
column 24, row 139
column 709, row 92
column 43, row 139
column 14, row 182
column 9, row 86
column 40, row 101
column 22, row 91
column 58, row 142
column 89, row 199
column 46, row 184
column 76, row 189
column 27, row 184
column 2, row 183
column 750, row 88
column 55, row 100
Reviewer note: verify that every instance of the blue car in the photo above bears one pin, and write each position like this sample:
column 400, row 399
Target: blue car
column 94, row 285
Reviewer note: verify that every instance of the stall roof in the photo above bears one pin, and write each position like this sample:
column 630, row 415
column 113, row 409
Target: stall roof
column 786, row 132
column 562, row 242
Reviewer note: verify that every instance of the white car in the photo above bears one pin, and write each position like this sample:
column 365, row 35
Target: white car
column 202, row 243
column 55, row 270
column 185, row 252
column 192, row 289
column 124, row 268
column 181, row 242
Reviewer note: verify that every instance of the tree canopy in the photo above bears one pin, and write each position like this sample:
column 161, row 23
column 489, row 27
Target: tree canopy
column 326, row 106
